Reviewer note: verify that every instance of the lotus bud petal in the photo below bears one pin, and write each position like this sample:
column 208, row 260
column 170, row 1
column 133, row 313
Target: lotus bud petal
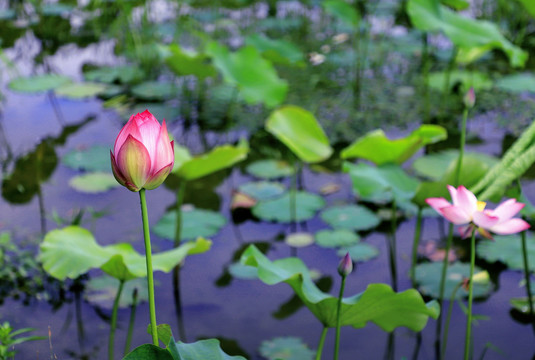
column 143, row 155
column 470, row 98
column 346, row 265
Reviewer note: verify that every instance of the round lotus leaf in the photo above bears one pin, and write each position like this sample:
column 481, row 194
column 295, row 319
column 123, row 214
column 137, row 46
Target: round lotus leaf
column 195, row 223
column 80, row 90
column 522, row 304
column 94, row 183
column 109, row 74
column 336, row 238
column 508, row 250
column 517, row 83
column 360, row 252
column 245, row 272
column 428, row 280
column 280, row 209
column 286, row 348
column 353, row 217
column 262, row 190
column 270, row 169
column 94, row 158
column 154, row 90
column 102, row 291
column 38, row 83
column 300, row 239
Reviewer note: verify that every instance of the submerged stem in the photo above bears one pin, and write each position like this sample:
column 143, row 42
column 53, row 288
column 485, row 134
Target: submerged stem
column 131, row 322
column 113, row 325
column 176, row 271
column 338, row 311
column 442, row 287
column 148, row 257
column 470, row 296
column 417, row 232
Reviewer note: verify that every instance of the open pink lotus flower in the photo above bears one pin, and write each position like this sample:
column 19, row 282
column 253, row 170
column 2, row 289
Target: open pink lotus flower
column 470, row 213
column 144, row 156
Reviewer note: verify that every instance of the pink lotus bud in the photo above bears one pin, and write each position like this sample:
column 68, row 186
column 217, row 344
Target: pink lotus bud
column 346, row 265
column 144, row 156
column 470, row 98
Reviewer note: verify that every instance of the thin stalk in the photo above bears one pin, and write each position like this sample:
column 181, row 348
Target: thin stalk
column 527, row 275
column 176, row 271
column 293, row 196
column 447, row 78
column 425, row 72
column 131, row 323
column 415, row 244
column 461, row 147
column 113, row 326
column 42, row 211
column 392, row 249
column 321, row 343
column 447, row 325
column 445, row 264
column 470, row 296
column 79, row 320
column 338, row 311
column 148, row 257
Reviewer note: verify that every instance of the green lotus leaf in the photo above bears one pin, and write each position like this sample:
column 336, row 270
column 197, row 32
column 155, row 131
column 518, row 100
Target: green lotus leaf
column 336, row 238
column 376, row 147
column 278, row 51
column 80, row 90
column 286, row 348
column 125, row 74
column 381, row 183
column 428, row 279
column 467, row 79
column 262, row 190
column 353, row 217
column 195, row 223
column 182, row 63
column 72, row 251
column 529, row 5
column 155, row 90
column 219, row 158
column 378, row 303
column 102, row 291
column 299, row 130
column 38, row 83
column 522, row 304
column 94, row 158
column 507, row 249
column 149, row 352
column 465, row 33
column 456, row 4
column 517, row 83
column 254, row 76
column 343, row 11
column 299, row 239
column 360, row 252
column 93, row 183
column 270, row 169
column 202, row 349
column 279, row 209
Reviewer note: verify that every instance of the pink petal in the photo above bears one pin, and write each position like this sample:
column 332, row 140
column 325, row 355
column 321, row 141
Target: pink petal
column 116, row 172
column 164, row 152
column 485, row 219
column 511, row 226
column 131, row 128
column 157, row 179
column 466, row 200
column 437, row 203
column 149, row 129
column 508, row 209
column 133, row 162
column 455, row 215
column 453, row 194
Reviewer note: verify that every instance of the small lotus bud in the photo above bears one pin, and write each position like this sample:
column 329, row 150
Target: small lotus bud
column 346, row 265
column 470, row 98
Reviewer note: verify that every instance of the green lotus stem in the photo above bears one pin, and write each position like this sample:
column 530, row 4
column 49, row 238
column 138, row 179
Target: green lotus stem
column 148, row 257
column 526, row 274
column 111, row 343
column 131, row 322
column 392, row 249
column 461, row 148
column 417, row 232
column 176, row 271
column 470, row 296
column 322, row 341
column 442, row 287
column 338, row 311
column 448, row 318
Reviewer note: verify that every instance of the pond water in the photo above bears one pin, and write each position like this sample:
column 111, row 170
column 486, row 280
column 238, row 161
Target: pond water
column 240, row 312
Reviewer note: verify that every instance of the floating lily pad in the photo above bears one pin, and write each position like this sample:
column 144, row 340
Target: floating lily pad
column 517, row 83
column 102, row 291
column 195, row 222
column 522, row 304
column 80, row 90
column 94, row 158
column 428, row 280
column 508, row 250
column 94, row 183
column 353, row 217
column 360, row 252
column 336, row 238
column 300, row 239
column 38, row 83
column 240, row 271
column 279, row 209
column 286, row 348
column 154, row 90
column 467, row 79
column 262, row 190
column 276, row 50
column 124, row 74
column 270, row 169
